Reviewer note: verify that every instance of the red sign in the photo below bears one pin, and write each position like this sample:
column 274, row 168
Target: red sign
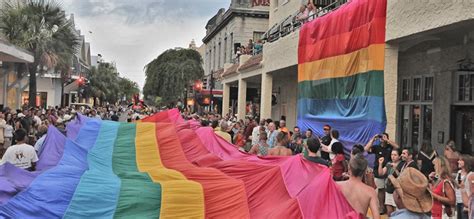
column 260, row 2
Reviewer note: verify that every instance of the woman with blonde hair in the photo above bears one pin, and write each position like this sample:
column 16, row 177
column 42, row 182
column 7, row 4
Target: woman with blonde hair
column 442, row 189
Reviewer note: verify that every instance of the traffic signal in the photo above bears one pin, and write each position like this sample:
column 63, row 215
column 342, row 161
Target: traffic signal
column 197, row 86
column 80, row 81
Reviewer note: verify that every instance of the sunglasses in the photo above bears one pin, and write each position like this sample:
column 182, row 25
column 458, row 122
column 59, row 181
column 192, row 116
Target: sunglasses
column 326, row 129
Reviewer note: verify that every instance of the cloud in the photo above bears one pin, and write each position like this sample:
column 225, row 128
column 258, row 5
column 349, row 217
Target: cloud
column 133, row 32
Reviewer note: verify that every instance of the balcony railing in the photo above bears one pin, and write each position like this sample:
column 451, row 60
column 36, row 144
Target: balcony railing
column 257, row 50
column 292, row 22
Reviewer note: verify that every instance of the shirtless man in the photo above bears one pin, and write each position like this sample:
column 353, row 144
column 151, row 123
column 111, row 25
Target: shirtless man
column 359, row 195
column 280, row 149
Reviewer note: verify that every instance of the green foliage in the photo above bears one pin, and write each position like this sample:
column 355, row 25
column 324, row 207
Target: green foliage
column 41, row 27
column 158, row 101
column 127, row 88
column 170, row 73
column 106, row 84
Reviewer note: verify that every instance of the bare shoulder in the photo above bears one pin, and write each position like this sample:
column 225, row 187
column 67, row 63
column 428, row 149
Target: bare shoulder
column 271, row 151
column 369, row 190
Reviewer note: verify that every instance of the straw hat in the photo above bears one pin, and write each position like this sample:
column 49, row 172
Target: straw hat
column 413, row 187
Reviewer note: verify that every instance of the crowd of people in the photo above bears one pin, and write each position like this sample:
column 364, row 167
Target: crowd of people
column 23, row 131
column 252, row 48
column 402, row 184
column 309, row 12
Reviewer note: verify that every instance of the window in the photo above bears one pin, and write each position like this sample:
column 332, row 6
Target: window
column 415, row 125
column 465, row 86
column 219, row 56
column 231, row 47
column 427, row 122
column 428, row 89
column 211, row 66
column 257, row 36
column 405, row 125
column 214, row 58
column 417, row 89
column 405, row 90
column 225, row 49
column 415, row 110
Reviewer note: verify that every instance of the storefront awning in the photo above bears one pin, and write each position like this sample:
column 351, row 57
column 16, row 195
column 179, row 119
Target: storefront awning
column 71, row 87
column 214, row 92
column 11, row 53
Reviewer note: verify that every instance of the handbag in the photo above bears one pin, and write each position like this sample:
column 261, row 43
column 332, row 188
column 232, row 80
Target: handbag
column 448, row 211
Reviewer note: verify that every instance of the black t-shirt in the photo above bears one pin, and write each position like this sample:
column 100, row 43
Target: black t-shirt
column 379, row 152
column 410, row 164
column 318, row 160
column 427, row 162
column 326, row 140
column 114, row 117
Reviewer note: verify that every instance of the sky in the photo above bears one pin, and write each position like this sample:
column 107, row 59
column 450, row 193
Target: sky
column 133, row 32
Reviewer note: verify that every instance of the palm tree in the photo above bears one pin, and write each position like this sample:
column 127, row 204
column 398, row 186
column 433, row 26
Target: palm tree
column 41, row 27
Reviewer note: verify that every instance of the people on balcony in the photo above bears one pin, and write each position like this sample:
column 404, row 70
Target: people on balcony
column 257, row 47
column 249, row 49
column 303, row 14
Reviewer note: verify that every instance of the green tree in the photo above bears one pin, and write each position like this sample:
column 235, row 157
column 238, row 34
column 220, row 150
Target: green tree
column 127, row 88
column 103, row 83
column 106, row 85
column 169, row 74
column 41, row 27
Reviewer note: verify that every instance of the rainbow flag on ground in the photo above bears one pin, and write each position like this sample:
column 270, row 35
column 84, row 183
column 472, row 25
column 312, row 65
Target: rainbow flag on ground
column 164, row 167
column 340, row 71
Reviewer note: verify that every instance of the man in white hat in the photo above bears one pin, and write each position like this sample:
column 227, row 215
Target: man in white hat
column 411, row 195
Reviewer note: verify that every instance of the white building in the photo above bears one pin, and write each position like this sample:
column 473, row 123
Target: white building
column 49, row 85
column 228, row 30
column 13, row 62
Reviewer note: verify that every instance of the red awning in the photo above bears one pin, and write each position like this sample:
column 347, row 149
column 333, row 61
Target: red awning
column 214, row 92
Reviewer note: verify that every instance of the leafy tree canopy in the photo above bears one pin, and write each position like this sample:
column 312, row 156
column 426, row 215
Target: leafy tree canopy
column 169, row 74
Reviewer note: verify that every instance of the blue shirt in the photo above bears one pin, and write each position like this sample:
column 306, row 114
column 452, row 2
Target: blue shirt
column 271, row 141
column 405, row 213
column 39, row 145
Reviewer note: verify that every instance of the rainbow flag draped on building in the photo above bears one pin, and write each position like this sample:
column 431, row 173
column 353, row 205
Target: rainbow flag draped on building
column 164, row 167
column 340, row 71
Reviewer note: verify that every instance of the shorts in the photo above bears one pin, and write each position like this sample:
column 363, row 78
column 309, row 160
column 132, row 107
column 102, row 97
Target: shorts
column 389, row 200
column 380, row 183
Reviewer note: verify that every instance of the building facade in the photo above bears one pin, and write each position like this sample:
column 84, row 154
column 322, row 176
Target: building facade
column 429, row 73
column 275, row 75
column 13, row 61
column 50, row 84
column 226, row 33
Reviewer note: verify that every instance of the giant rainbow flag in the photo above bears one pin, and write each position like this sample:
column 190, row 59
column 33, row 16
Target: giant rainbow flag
column 164, row 167
column 340, row 71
